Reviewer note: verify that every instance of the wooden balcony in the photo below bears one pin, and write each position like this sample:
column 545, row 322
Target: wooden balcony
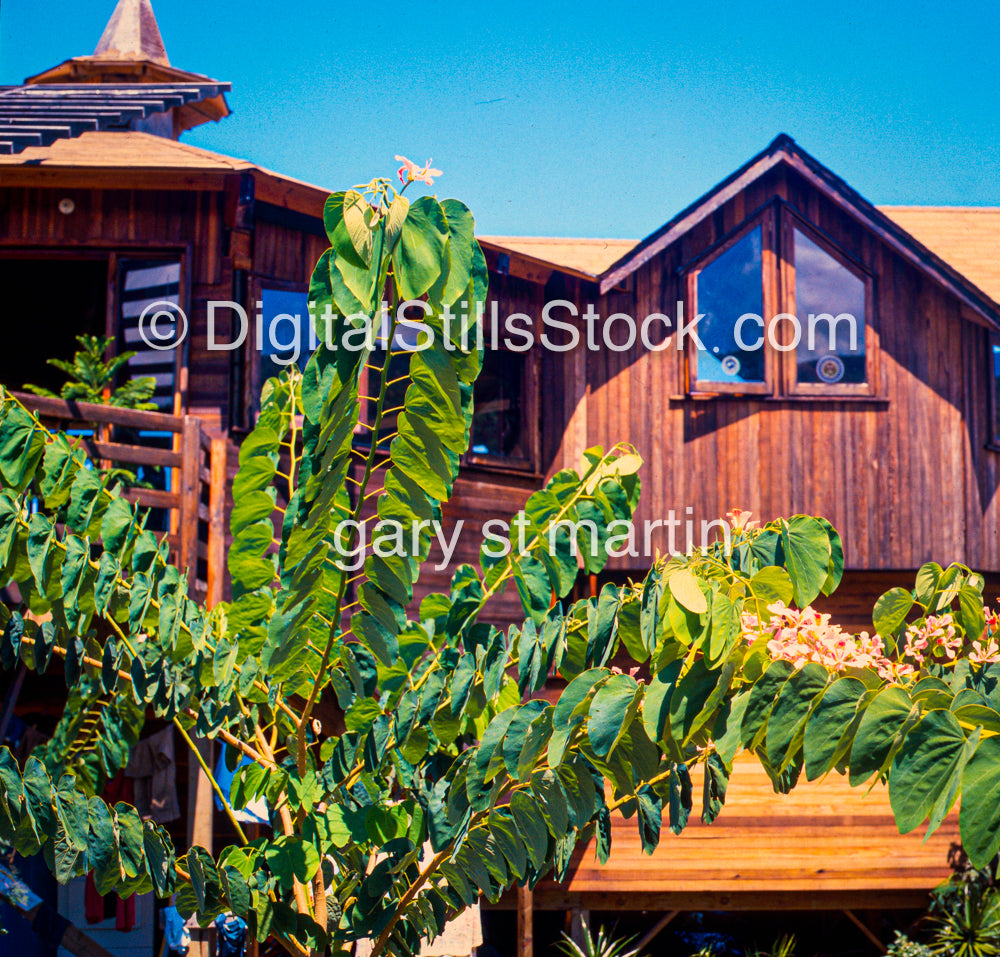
column 181, row 465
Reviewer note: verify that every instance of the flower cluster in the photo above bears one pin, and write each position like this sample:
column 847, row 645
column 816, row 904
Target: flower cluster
column 987, row 648
column 935, row 636
column 801, row 636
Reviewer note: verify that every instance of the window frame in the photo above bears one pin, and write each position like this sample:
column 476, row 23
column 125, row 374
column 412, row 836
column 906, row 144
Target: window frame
column 528, row 462
column 252, row 357
column 778, row 220
column 764, row 219
column 790, row 221
column 993, row 342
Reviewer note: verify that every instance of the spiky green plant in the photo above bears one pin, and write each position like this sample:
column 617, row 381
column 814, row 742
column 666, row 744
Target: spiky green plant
column 91, row 377
column 784, row 946
column 966, row 922
column 601, row 944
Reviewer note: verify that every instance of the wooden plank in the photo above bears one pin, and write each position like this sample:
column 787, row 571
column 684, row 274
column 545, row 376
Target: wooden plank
column 609, row 898
column 130, row 454
column 152, row 498
column 190, row 489
column 216, row 522
column 89, row 412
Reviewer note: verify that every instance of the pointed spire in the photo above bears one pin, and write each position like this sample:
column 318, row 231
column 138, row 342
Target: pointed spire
column 132, row 34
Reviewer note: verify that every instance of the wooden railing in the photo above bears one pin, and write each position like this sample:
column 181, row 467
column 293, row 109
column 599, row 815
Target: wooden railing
column 186, row 466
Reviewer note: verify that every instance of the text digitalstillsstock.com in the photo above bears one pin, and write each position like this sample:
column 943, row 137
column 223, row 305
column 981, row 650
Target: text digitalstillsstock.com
column 563, row 327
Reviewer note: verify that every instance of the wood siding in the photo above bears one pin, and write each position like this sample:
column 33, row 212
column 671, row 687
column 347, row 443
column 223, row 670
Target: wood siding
column 824, row 846
column 905, row 477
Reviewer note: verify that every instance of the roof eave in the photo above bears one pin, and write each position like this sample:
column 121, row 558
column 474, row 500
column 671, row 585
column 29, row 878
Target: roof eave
column 534, row 264
column 85, row 67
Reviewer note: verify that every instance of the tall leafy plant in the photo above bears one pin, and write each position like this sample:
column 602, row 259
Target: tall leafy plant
column 448, row 778
column 91, row 377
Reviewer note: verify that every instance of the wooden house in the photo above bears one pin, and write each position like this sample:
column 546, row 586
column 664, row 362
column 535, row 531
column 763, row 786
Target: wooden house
column 893, row 435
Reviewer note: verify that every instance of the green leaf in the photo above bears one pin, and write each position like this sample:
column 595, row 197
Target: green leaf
column 357, row 214
column 772, row 584
column 970, row 611
column 829, row 723
column 290, row 858
column 930, row 759
column 531, row 826
column 418, row 255
column 979, row 818
column 610, row 712
column 927, row 581
column 685, row 588
column 791, row 711
column 807, row 556
column 835, row 570
column 891, row 611
column 884, row 719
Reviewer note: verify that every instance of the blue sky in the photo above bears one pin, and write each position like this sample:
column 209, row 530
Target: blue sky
column 579, row 118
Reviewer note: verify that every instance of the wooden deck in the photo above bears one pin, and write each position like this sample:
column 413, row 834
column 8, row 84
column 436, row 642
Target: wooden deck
column 825, row 846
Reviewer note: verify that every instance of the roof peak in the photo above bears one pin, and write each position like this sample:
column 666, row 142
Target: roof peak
column 132, row 34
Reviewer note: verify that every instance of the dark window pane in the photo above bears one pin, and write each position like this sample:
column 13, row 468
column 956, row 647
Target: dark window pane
column 996, row 390
column 830, row 305
column 285, row 331
column 497, row 419
column 730, row 286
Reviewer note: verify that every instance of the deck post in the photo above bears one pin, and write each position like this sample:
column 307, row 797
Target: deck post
column 187, row 532
column 216, row 522
column 201, row 807
column 579, row 922
column 525, row 923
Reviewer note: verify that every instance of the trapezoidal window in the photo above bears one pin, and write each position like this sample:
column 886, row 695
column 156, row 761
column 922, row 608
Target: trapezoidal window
column 728, row 287
column 780, row 312
column 830, row 301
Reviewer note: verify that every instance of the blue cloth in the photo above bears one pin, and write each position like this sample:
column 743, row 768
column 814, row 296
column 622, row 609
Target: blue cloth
column 231, row 933
column 177, row 935
column 253, row 813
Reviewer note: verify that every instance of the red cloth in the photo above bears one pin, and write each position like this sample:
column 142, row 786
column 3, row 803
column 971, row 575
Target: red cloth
column 95, row 907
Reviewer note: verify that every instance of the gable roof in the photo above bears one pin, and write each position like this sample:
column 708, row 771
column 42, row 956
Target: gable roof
column 585, row 258
column 920, row 248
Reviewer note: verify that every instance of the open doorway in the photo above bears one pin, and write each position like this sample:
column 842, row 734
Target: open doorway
column 44, row 305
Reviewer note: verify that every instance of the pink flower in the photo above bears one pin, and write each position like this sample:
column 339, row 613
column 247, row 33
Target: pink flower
column 806, row 635
column 739, row 519
column 414, row 173
column 985, row 652
column 937, row 634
